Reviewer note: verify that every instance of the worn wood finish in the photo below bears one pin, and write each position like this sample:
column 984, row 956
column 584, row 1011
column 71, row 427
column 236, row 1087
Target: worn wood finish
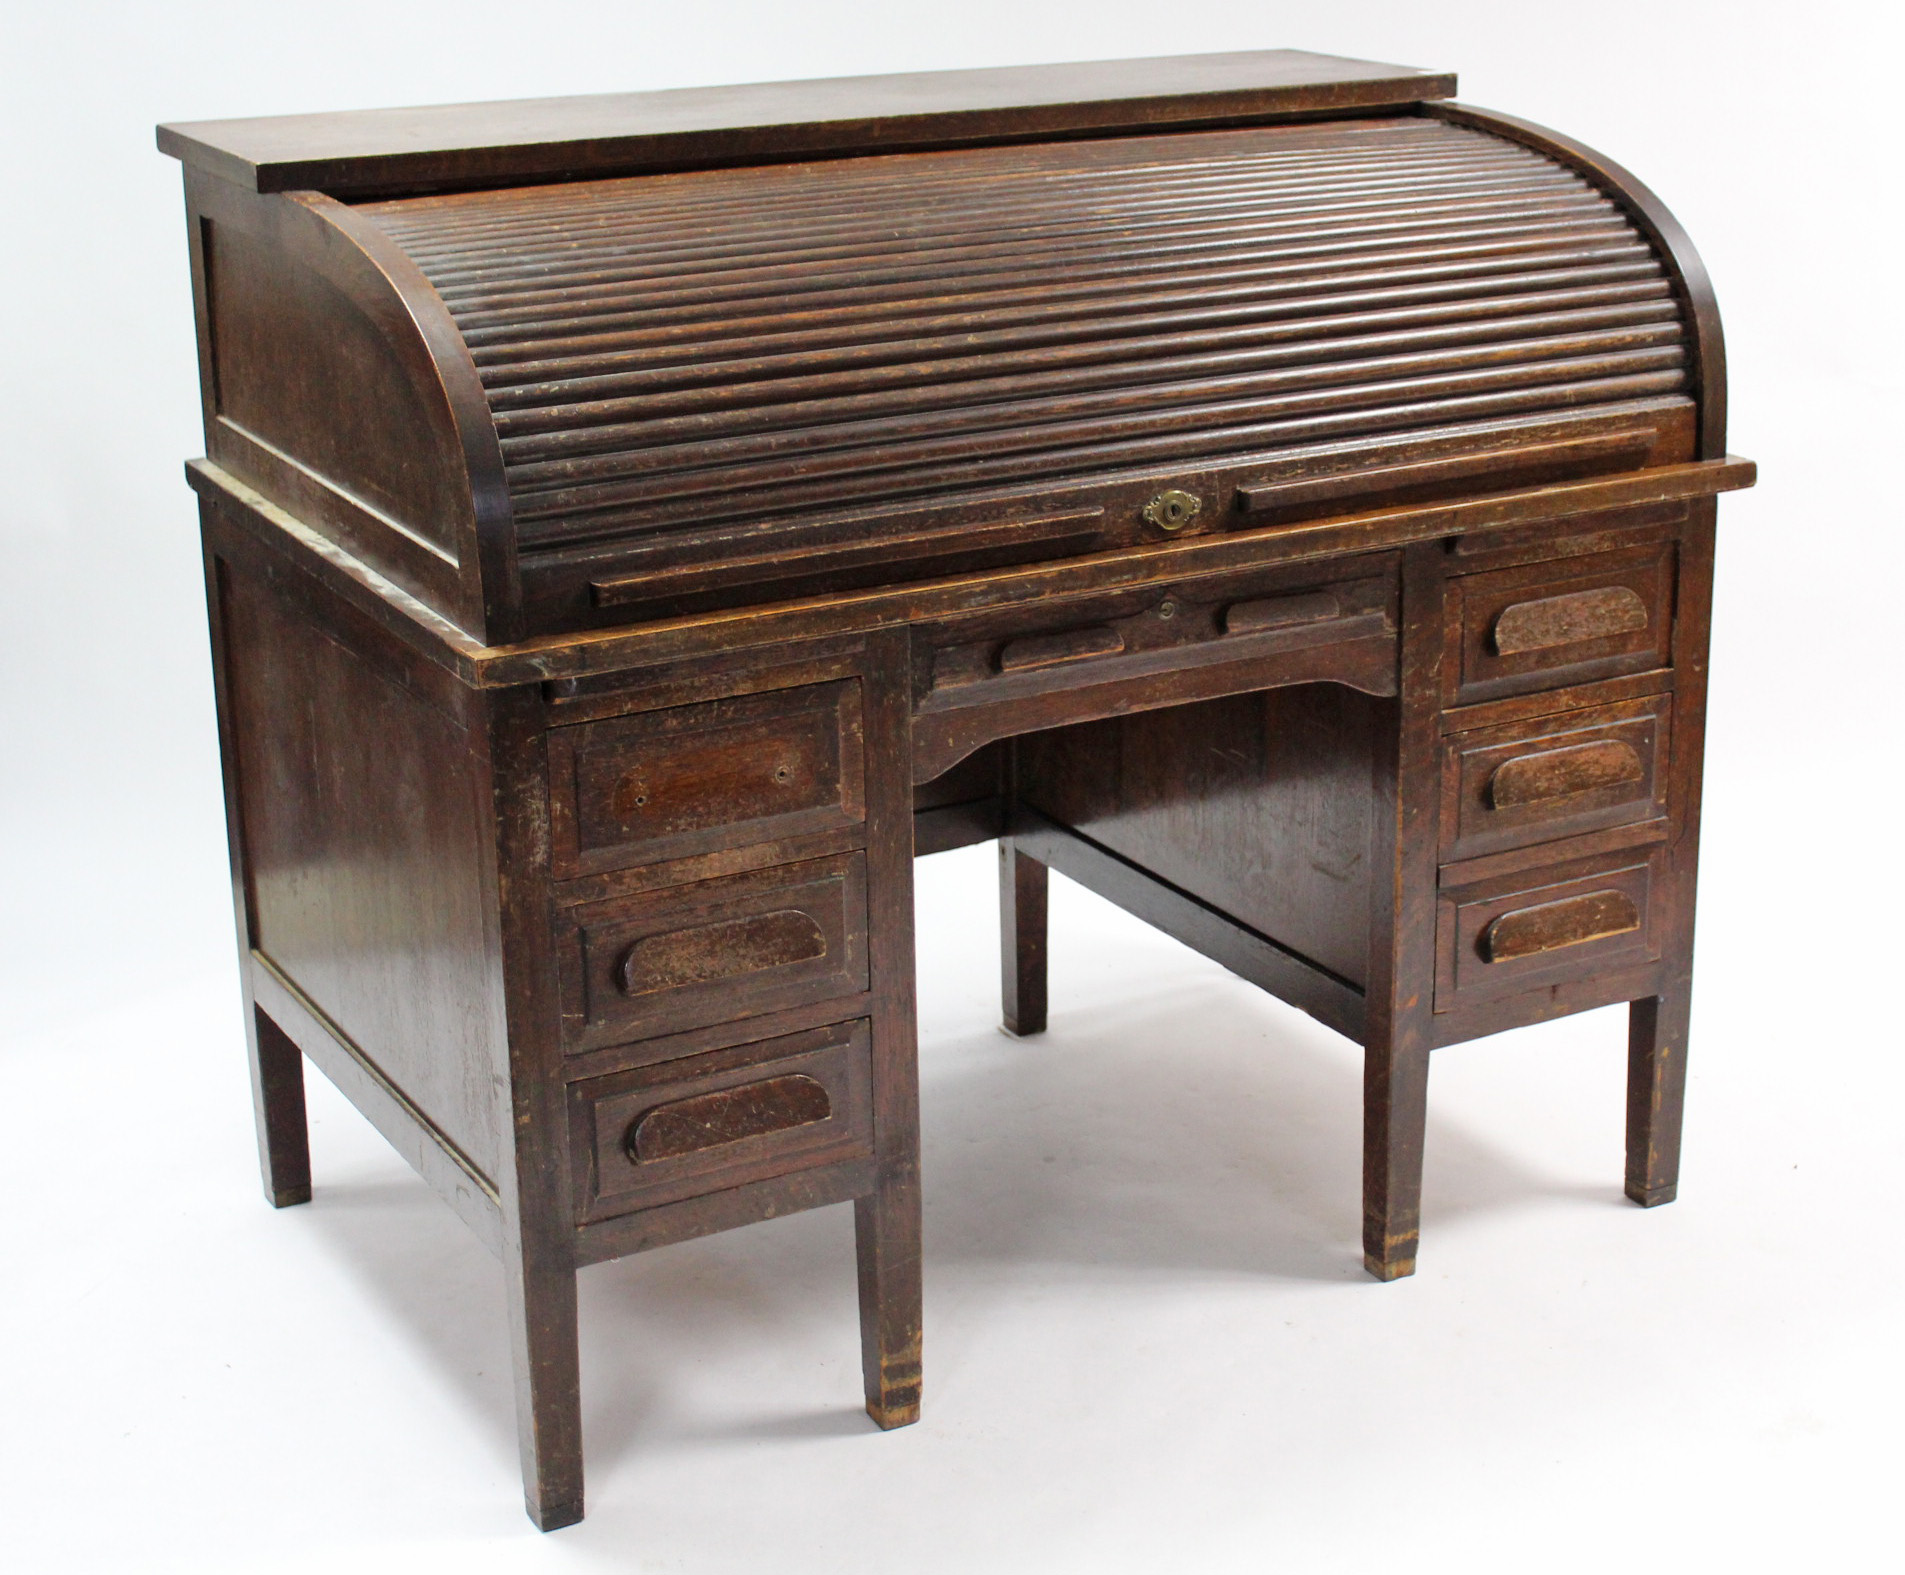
column 1551, row 775
column 654, row 962
column 692, row 778
column 1274, row 499
column 1566, row 921
column 773, row 1105
column 561, row 659
column 1534, row 628
column 681, row 1129
column 1555, row 776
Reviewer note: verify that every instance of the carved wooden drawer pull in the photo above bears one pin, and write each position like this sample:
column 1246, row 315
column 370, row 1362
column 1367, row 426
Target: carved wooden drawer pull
column 1281, row 612
column 1525, row 932
column 721, row 951
column 1569, row 620
column 777, row 1104
column 1551, row 774
column 1049, row 650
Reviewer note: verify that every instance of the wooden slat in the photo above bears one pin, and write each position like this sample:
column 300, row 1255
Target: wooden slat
column 725, row 349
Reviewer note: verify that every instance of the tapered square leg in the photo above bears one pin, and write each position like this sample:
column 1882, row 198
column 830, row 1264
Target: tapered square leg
column 1023, row 885
column 1399, row 996
column 277, row 1100
column 1656, row 1095
column 1395, row 1115
column 886, row 1232
column 543, row 1348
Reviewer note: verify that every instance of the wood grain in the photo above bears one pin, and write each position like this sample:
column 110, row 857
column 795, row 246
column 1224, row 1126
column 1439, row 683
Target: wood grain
column 529, row 140
column 1291, row 518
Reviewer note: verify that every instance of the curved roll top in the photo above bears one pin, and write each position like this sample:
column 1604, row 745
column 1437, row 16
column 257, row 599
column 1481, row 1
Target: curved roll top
column 720, row 347
column 574, row 404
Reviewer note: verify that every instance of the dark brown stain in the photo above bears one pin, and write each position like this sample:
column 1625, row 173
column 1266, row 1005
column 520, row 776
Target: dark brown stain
column 596, row 564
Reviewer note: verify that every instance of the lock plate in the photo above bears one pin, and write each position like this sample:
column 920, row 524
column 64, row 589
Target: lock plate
column 1173, row 510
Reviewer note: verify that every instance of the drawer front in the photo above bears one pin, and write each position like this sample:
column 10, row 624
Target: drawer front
column 1548, row 624
column 1545, row 926
column 1050, row 664
column 681, row 1129
column 1554, row 776
column 696, row 779
column 691, row 956
column 1030, row 651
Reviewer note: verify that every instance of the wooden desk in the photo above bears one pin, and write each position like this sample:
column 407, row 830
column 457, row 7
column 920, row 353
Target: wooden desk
column 616, row 585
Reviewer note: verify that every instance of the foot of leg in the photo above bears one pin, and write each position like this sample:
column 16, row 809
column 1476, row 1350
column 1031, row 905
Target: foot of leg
column 1656, row 1094
column 542, row 1331
column 886, row 1230
column 1395, row 1114
column 277, row 1097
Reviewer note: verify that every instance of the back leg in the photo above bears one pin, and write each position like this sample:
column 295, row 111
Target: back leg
column 1023, row 884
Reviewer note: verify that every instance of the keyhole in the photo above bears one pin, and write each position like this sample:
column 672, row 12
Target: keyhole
column 781, row 773
column 1167, row 609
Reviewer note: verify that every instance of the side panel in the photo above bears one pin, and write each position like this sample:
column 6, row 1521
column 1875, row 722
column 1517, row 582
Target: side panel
column 334, row 385
column 361, row 805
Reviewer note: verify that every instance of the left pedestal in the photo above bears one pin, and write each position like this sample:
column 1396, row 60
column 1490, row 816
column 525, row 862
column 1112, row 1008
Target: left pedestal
column 612, row 962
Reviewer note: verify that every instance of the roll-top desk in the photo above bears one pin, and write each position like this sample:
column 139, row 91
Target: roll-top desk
column 1273, row 495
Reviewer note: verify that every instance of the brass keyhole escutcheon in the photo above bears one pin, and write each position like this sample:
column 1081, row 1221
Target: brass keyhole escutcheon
column 1173, row 510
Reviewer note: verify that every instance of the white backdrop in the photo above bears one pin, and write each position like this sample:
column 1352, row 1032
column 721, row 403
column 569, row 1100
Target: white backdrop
column 1149, row 1341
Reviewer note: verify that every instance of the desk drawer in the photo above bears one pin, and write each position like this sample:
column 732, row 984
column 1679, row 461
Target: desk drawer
column 1026, row 651
column 720, row 950
column 1050, row 664
column 1547, row 624
column 1554, row 776
column 681, row 1129
column 696, row 779
column 1545, row 926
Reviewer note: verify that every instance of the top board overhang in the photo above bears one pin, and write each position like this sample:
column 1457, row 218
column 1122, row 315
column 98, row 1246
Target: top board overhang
column 381, row 152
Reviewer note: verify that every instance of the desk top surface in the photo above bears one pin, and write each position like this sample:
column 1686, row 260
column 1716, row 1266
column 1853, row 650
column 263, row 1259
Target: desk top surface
column 385, row 151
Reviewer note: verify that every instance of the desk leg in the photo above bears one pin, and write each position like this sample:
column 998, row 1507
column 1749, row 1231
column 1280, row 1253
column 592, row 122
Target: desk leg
column 1023, row 884
column 1656, row 1092
column 277, row 1099
column 1657, row 1024
column 886, row 1232
column 1395, row 1115
column 538, row 1250
column 542, row 1340
column 1401, row 983
column 887, row 1222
